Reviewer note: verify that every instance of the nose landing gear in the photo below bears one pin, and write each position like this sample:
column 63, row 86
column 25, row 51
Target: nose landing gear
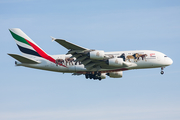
column 162, row 72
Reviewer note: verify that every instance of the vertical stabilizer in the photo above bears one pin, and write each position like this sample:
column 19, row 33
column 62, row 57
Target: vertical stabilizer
column 27, row 46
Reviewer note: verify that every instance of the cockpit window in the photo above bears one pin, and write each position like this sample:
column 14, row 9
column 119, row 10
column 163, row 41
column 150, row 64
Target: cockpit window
column 165, row 56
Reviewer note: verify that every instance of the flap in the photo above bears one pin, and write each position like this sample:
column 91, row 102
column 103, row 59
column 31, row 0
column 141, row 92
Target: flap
column 23, row 59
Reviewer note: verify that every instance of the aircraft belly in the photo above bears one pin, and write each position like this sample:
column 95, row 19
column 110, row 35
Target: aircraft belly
column 80, row 68
column 72, row 68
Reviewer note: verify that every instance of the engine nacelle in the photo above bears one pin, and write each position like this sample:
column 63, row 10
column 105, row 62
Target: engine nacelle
column 117, row 62
column 115, row 74
column 97, row 55
column 103, row 76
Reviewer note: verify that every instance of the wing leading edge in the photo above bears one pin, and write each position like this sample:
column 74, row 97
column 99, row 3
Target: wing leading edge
column 68, row 45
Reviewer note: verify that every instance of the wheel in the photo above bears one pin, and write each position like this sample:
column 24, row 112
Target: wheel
column 96, row 77
column 99, row 73
column 90, row 76
column 162, row 72
column 95, row 73
column 87, row 76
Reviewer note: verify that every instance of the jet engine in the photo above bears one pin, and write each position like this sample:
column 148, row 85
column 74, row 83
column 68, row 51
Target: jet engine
column 118, row 74
column 116, row 62
column 97, row 55
column 103, row 76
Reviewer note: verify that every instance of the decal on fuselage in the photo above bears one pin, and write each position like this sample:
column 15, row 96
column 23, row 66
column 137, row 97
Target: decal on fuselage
column 131, row 57
column 136, row 57
column 67, row 61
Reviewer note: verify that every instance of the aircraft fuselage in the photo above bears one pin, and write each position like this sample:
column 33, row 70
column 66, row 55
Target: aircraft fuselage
column 146, row 59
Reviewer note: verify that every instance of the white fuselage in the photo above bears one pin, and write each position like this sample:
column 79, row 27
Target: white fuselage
column 148, row 59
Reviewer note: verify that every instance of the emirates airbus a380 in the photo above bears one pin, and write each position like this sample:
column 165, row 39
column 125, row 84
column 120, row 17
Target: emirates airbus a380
column 94, row 64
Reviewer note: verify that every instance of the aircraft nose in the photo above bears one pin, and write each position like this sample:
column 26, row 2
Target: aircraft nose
column 169, row 61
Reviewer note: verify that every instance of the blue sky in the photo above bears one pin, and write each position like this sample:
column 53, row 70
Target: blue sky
column 29, row 94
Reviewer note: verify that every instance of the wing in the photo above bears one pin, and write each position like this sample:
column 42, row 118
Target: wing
column 68, row 45
column 83, row 55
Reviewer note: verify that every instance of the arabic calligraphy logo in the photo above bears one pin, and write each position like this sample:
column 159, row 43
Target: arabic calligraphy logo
column 97, row 54
column 116, row 61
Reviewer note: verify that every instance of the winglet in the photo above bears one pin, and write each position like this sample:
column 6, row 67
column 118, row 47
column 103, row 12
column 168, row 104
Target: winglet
column 53, row 39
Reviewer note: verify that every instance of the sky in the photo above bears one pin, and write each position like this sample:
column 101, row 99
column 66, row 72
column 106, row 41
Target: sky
column 109, row 25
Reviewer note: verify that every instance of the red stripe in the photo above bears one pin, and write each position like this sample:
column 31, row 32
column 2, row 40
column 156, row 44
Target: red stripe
column 42, row 53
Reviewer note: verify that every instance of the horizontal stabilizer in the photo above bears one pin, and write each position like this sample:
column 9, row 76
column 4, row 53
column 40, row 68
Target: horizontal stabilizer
column 68, row 45
column 23, row 59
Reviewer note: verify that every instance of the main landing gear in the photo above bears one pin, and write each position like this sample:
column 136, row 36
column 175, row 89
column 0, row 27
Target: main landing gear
column 162, row 72
column 94, row 76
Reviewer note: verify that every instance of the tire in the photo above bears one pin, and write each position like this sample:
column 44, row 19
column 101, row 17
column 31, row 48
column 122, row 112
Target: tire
column 90, row 76
column 99, row 73
column 86, row 76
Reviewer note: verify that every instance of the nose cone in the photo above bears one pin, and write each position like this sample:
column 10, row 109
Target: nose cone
column 169, row 61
